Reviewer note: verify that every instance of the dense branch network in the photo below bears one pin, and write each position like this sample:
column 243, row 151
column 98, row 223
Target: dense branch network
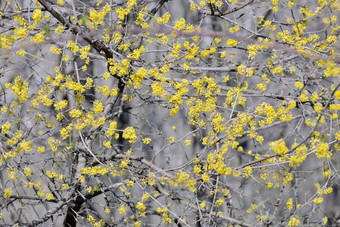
column 192, row 112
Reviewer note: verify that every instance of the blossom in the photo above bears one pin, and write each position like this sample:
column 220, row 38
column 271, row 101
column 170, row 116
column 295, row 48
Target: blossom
column 180, row 24
column 232, row 42
column 36, row 16
column 279, row 147
column 293, row 222
column 7, row 193
column 289, row 204
column 97, row 106
column 130, row 134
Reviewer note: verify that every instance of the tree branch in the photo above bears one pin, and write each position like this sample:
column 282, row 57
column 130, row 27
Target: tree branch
column 98, row 45
column 140, row 159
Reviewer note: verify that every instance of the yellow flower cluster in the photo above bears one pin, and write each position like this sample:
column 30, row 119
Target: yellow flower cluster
column 166, row 218
column 7, row 193
column 130, row 134
column 141, row 207
column 234, row 29
column 321, row 149
column 39, row 38
column 53, row 143
column 164, row 19
column 54, row 175
column 97, row 18
column 20, row 89
column 20, row 32
column 279, row 147
column 61, row 105
column 95, row 170
column 176, row 99
column 299, row 157
column 25, row 145
column 180, row 24
column 83, row 52
column 59, row 30
column 293, row 222
column 37, row 16
column 6, row 41
column 139, row 76
column 5, row 128
column 73, row 46
column 97, row 106
column 136, row 53
column 158, row 89
column 247, row 172
column 244, row 70
column 65, row 132
column 111, row 130
column 289, row 204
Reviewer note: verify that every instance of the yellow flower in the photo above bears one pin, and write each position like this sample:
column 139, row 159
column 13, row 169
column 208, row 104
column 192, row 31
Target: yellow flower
column 4, row 109
column 41, row 149
column 325, row 220
column 91, row 219
column 75, row 113
column 248, row 171
column 261, row 86
column 205, row 177
column 277, row 70
column 146, row 140
column 36, row 16
column 232, row 42
column 234, row 29
column 137, row 224
column 5, row 128
column 7, row 193
column 64, row 186
column 193, row 7
column 180, row 24
column 304, row 96
column 73, row 46
column 60, row 105
column 107, row 210
column 298, row 84
column 110, row 131
column 171, row 139
column 49, row 196
column 39, row 38
column 140, row 206
column 130, row 134
column 289, row 204
column 107, row 144
column 337, row 95
column 97, row 106
column 219, row 202
column 20, row 32
column 293, row 222
column 145, row 197
column 279, row 147
column 187, row 142
column 130, row 183
column 59, row 30
column 158, row 89
column 21, row 52
column 27, row 172
column 60, row 2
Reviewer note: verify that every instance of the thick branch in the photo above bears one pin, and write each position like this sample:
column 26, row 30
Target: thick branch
column 98, row 45
column 233, row 10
